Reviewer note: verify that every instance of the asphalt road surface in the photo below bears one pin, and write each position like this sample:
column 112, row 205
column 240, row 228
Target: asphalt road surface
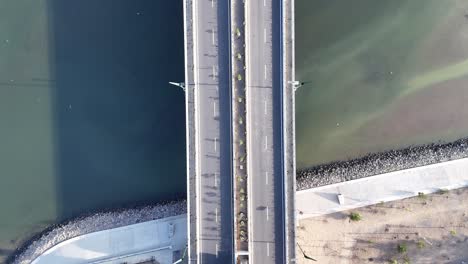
column 214, row 202
column 264, row 139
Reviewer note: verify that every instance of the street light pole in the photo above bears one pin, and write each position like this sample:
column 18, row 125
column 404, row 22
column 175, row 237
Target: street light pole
column 181, row 85
column 295, row 84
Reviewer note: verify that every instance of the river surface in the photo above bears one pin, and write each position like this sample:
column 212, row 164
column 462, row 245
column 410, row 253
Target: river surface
column 87, row 118
column 379, row 75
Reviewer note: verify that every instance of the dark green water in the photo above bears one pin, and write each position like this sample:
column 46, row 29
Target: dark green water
column 380, row 75
column 87, row 119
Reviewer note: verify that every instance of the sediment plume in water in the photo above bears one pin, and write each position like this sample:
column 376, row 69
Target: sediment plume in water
column 378, row 163
column 93, row 223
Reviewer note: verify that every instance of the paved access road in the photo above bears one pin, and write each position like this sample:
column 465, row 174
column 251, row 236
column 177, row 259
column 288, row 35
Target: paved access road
column 264, row 139
column 385, row 187
column 151, row 239
column 212, row 101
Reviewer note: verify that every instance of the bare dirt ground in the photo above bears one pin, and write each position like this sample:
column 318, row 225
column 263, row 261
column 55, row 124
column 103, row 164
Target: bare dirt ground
column 428, row 229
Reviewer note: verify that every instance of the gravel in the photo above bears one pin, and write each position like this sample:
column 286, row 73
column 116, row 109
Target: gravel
column 373, row 164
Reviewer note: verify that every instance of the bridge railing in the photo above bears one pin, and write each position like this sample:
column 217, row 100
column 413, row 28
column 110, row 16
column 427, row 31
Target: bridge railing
column 288, row 127
column 190, row 133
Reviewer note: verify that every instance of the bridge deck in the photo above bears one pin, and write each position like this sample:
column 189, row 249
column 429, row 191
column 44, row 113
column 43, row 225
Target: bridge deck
column 270, row 131
column 209, row 152
column 264, row 126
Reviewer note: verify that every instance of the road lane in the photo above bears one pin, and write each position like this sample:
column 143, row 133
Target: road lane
column 264, row 164
column 214, row 207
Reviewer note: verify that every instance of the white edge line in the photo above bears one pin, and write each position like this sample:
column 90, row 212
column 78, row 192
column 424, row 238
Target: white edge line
column 213, row 36
column 248, row 128
column 231, row 153
column 214, row 108
column 197, row 124
column 187, row 135
column 267, row 214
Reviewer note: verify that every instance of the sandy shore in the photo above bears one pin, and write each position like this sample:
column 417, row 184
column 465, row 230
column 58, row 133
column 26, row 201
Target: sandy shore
column 431, row 229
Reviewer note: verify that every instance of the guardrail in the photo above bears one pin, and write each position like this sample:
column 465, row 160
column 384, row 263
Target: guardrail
column 248, row 125
column 283, row 145
column 231, row 129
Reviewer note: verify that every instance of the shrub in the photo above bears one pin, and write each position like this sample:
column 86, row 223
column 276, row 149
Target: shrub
column 402, row 248
column 422, row 195
column 443, row 191
column 453, row 232
column 242, row 158
column 393, row 261
column 406, row 260
column 355, row 216
column 421, row 244
column 238, row 33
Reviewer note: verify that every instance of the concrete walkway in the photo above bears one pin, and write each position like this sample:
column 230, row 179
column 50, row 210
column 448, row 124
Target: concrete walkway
column 162, row 240
column 381, row 188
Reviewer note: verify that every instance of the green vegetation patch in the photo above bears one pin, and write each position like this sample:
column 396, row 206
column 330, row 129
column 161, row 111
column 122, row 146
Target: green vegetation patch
column 402, row 248
column 355, row 216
